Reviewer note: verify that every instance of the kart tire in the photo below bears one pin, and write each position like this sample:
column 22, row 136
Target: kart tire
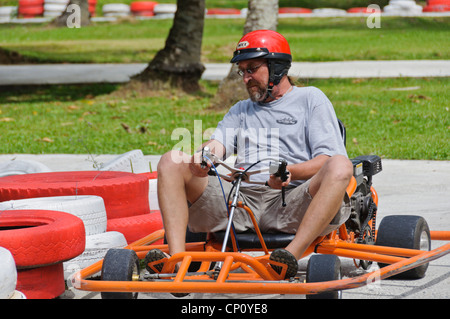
column 322, row 268
column 8, row 274
column 41, row 237
column 405, row 231
column 124, row 194
column 90, row 209
column 41, row 282
column 137, row 227
column 120, row 265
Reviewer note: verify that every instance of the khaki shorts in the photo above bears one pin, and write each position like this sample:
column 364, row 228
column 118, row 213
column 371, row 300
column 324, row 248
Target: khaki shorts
column 209, row 213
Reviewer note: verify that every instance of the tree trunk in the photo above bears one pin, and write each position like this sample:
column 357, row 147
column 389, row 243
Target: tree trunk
column 262, row 14
column 178, row 64
column 76, row 15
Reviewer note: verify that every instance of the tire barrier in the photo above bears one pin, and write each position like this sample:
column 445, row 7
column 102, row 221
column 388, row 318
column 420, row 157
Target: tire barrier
column 40, row 241
column 143, row 8
column 90, row 209
column 137, row 227
column 30, row 8
column 124, row 194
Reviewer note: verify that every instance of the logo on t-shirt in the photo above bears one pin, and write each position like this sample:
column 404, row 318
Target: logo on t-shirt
column 287, row 121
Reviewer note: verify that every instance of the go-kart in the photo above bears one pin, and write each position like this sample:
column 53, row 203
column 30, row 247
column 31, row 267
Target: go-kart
column 226, row 262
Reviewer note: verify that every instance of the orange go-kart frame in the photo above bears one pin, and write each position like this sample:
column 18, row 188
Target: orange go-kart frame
column 255, row 273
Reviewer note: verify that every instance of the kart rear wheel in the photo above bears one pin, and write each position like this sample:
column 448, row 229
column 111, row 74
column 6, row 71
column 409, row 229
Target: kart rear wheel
column 405, row 231
column 120, row 265
column 324, row 268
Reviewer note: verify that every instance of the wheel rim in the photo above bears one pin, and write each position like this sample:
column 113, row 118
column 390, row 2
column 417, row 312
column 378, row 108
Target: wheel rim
column 424, row 243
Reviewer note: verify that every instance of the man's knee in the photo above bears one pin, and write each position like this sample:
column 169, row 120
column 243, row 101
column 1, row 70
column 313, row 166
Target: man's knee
column 340, row 168
column 172, row 160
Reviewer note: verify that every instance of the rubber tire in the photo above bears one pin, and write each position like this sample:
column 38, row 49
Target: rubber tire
column 41, row 237
column 132, row 162
column 125, row 194
column 90, row 209
column 96, row 248
column 137, row 227
column 404, row 231
column 119, row 265
column 322, row 268
column 42, row 282
column 8, row 274
column 17, row 167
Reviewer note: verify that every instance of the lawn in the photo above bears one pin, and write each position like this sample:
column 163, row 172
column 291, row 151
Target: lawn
column 393, row 118
column 311, row 39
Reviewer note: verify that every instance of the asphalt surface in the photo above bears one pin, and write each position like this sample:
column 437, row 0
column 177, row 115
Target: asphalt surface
column 404, row 188
column 43, row 74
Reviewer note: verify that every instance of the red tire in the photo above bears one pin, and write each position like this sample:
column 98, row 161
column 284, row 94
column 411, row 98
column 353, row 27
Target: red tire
column 362, row 10
column 41, row 283
column 143, row 6
column 125, row 194
column 31, row 11
column 137, row 227
column 41, row 237
column 294, row 10
column 224, row 11
column 31, row 3
column 437, row 8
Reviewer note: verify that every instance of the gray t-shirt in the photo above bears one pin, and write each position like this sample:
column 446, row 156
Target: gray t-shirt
column 297, row 127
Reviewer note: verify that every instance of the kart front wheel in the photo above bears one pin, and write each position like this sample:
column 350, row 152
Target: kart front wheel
column 405, row 231
column 120, row 265
column 324, row 268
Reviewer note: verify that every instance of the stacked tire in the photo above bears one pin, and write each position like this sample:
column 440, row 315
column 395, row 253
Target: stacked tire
column 40, row 241
column 143, row 8
column 8, row 276
column 116, row 10
column 92, row 7
column 7, row 13
column 437, row 6
column 54, row 8
column 293, row 10
column 165, row 10
column 31, row 8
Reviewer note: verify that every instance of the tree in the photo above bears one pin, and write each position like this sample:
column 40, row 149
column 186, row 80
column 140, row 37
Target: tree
column 262, row 14
column 178, row 63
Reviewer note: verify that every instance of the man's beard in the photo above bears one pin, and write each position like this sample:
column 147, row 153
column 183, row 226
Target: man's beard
column 256, row 91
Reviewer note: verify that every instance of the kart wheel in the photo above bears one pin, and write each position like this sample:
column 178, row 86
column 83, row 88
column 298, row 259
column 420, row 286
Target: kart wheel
column 405, row 231
column 120, row 265
column 324, row 268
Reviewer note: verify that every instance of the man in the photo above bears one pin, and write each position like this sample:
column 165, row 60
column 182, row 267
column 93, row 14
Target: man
column 307, row 136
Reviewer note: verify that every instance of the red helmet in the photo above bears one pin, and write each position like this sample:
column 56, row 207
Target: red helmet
column 265, row 44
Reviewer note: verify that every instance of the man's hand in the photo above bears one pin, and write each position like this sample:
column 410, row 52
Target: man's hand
column 275, row 182
column 196, row 165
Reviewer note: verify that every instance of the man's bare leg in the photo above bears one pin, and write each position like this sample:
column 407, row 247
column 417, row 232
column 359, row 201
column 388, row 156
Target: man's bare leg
column 327, row 188
column 176, row 186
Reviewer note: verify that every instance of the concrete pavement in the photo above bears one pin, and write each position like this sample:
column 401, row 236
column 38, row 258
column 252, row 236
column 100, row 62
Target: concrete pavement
column 41, row 74
column 404, row 187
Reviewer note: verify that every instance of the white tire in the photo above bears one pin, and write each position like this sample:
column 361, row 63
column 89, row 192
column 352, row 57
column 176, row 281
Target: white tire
column 18, row 167
column 165, row 8
column 55, row 7
column 90, row 209
column 8, row 11
column 65, row 2
column 8, row 274
column 116, row 8
column 131, row 162
column 96, row 248
column 152, row 194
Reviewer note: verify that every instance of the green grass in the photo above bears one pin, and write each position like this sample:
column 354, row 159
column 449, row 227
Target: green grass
column 405, row 124
column 311, row 39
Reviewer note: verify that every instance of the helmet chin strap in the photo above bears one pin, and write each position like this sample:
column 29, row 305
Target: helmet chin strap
column 274, row 79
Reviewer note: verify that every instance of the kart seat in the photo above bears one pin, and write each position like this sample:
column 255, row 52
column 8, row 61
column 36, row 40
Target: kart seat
column 250, row 240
